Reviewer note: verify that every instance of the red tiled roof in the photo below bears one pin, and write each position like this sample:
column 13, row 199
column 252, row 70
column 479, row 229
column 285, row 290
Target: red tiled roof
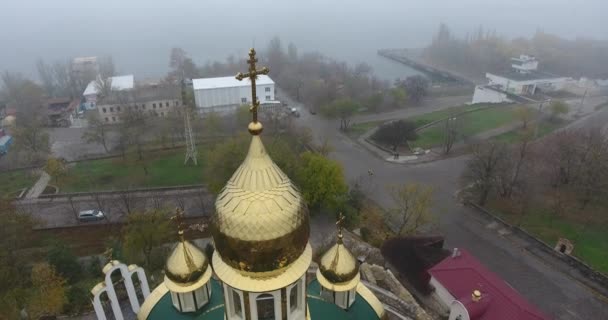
column 463, row 274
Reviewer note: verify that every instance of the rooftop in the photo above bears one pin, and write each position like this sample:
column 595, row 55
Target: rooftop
column 118, row 83
column 228, row 82
column 529, row 76
column 463, row 274
column 143, row 94
column 319, row 308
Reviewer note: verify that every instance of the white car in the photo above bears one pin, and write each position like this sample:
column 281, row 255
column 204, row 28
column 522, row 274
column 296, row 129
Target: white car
column 90, row 215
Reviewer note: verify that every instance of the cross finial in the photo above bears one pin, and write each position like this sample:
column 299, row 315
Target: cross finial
column 339, row 226
column 109, row 254
column 255, row 127
column 178, row 219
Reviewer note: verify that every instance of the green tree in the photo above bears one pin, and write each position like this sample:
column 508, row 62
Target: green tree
column 146, row 231
column 412, row 207
column 525, row 115
column 48, row 294
column 416, row 87
column 321, row 180
column 399, row 96
column 223, row 160
column 64, row 262
column 342, row 109
column 558, row 108
column 395, row 133
column 55, row 168
column 374, row 102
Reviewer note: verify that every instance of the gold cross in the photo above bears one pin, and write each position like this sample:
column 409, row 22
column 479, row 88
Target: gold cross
column 339, row 223
column 178, row 219
column 253, row 75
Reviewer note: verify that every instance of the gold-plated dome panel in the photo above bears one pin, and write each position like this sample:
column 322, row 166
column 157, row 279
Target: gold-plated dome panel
column 338, row 265
column 186, row 264
column 261, row 220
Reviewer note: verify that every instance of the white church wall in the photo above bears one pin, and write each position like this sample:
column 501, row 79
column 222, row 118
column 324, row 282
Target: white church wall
column 487, row 95
column 443, row 294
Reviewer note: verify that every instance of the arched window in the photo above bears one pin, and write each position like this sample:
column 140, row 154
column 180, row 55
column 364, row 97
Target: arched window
column 294, row 298
column 236, row 302
column 265, row 306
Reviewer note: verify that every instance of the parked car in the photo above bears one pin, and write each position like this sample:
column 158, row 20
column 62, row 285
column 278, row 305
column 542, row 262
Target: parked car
column 5, row 143
column 295, row 112
column 90, row 215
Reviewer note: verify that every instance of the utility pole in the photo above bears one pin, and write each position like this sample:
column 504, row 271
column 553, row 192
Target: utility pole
column 191, row 152
column 540, row 115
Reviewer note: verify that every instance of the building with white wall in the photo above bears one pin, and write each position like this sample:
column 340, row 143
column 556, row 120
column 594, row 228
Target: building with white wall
column 118, row 83
column 226, row 93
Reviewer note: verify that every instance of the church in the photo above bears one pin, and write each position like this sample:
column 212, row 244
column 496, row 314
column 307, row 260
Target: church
column 261, row 265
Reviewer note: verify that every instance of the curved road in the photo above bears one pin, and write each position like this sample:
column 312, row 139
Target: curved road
column 553, row 291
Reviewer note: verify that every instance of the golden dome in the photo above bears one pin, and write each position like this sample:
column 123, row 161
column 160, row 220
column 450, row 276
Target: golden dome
column 338, row 268
column 185, row 267
column 261, row 220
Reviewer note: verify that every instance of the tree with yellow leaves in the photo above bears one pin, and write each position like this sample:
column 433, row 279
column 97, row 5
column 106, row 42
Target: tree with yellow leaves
column 55, row 168
column 48, row 294
column 412, row 206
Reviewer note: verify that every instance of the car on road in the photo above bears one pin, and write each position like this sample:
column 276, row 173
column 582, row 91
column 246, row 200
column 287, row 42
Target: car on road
column 295, row 112
column 90, row 215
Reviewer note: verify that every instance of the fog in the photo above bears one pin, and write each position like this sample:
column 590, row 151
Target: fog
column 140, row 33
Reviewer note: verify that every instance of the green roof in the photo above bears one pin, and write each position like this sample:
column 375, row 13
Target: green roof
column 214, row 310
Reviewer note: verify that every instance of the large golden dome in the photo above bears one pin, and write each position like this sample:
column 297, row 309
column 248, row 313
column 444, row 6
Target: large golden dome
column 261, row 220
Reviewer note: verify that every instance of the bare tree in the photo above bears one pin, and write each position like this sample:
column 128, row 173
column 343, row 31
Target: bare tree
column 203, row 201
column 127, row 201
column 73, row 207
column 97, row 131
column 483, row 168
column 452, row 130
column 412, row 206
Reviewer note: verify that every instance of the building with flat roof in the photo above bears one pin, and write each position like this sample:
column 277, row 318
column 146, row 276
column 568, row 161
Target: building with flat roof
column 118, row 83
column 226, row 93
column 157, row 101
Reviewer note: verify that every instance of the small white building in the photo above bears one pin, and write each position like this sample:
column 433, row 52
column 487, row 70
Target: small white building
column 118, row 83
column 524, row 79
column 226, row 93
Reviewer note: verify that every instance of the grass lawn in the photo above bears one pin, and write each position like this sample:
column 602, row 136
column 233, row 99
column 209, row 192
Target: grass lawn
column 590, row 242
column 15, row 180
column 545, row 128
column 424, row 119
column 165, row 168
column 357, row 129
column 472, row 123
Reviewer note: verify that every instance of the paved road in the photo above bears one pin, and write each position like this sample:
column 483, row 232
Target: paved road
column 553, row 291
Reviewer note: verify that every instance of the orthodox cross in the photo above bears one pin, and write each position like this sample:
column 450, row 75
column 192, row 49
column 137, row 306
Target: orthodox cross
column 339, row 223
column 253, row 75
column 178, row 219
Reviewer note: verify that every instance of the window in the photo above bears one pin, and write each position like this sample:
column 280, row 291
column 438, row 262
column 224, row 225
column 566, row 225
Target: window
column 107, row 120
column 294, row 299
column 111, row 109
column 267, row 97
column 166, row 104
column 176, row 103
column 154, row 106
column 113, row 119
column 267, row 89
column 162, row 114
column 118, row 109
column 244, row 100
column 265, row 305
column 236, row 303
column 104, row 110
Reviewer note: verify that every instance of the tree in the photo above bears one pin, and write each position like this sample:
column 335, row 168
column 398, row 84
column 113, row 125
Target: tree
column 48, row 294
column 97, row 131
column 46, row 75
column 182, row 65
column 321, row 180
column 63, row 260
column 276, row 55
column 482, row 170
column 223, row 160
column 342, row 109
column 106, row 67
column 395, row 133
column 416, row 87
column 146, row 231
column 558, row 108
column 55, row 168
column 452, row 129
column 399, row 96
column 374, row 102
column 412, row 206
column 524, row 114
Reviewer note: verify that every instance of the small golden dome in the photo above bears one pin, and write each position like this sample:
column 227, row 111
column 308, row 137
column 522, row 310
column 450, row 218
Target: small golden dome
column 261, row 220
column 186, row 264
column 338, row 265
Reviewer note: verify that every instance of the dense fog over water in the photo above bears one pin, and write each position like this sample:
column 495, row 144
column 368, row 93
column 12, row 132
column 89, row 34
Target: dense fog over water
column 140, row 33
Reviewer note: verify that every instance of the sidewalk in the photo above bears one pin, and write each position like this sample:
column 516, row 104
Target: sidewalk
column 38, row 188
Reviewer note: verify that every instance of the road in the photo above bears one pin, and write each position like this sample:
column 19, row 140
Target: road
column 552, row 291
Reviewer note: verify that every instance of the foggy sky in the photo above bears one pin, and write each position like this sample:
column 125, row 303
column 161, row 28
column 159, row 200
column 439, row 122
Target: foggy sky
column 140, row 33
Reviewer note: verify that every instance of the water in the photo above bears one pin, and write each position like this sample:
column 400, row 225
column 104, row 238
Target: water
column 139, row 34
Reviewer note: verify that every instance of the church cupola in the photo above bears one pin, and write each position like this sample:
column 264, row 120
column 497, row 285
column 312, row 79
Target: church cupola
column 260, row 230
column 338, row 273
column 187, row 274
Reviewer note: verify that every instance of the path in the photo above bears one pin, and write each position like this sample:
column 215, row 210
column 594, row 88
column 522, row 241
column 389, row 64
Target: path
column 38, row 188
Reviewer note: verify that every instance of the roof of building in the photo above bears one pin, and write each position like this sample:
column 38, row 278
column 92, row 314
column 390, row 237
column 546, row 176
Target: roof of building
column 319, row 308
column 463, row 273
column 228, row 82
column 529, row 76
column 143, row 94
column 118, row 83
